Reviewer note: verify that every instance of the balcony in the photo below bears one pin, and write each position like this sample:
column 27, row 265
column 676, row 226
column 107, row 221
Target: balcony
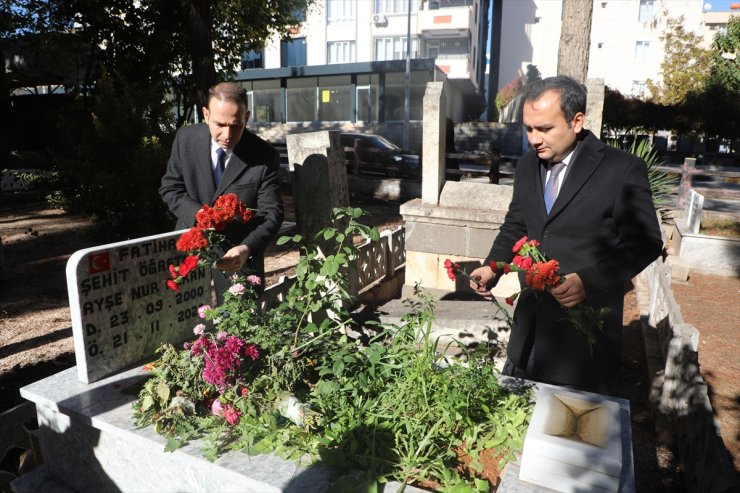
column 443, row 4
column 455, row 20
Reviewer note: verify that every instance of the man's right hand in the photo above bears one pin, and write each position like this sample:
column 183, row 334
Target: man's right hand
column 482, row 281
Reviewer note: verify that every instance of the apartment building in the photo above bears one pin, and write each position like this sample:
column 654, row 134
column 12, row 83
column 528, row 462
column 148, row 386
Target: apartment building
column 348, row 36
column 626, row 48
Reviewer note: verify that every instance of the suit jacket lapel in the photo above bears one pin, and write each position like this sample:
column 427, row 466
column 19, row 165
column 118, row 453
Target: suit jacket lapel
column 585, row 162
column 233, row 171
column 205, row 171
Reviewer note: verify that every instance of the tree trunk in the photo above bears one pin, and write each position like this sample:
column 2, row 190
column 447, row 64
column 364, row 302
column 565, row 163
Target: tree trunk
column 204, row 72
column 575, row 39
column 6, row 114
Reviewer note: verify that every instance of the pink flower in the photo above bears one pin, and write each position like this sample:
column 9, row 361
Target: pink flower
column 254, row 280
column 216, row 408
column 237, row 289
column 222, row 335
column 199, row 329
column 202, row 310
column 231, row 415
column 252, row 352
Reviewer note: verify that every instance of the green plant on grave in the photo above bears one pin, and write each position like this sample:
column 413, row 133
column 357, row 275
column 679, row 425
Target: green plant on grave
column 662, row 185
column 385, row 403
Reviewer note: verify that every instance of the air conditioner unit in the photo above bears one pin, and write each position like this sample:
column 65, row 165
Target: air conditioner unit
column 379, row 19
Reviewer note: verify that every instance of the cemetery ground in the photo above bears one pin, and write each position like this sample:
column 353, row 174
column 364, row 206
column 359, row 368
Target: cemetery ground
column 36, row 333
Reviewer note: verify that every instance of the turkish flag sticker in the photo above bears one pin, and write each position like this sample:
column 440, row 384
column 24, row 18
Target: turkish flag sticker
column 99, row 262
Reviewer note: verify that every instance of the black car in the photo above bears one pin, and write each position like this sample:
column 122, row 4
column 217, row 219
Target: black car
column 378, row 155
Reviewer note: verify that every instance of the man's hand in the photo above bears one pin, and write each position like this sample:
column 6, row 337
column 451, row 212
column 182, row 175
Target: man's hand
column 571, row 292
column 234, row 259
column 482, row 281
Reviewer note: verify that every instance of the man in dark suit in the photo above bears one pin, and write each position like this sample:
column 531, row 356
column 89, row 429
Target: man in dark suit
column 219, row 157
column 600, row 225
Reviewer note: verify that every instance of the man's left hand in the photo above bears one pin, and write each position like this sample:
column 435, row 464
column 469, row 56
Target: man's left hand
column 571, row 292
column 234, row 259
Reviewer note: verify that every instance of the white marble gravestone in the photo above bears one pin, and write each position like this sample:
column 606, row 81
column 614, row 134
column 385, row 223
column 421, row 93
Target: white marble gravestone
column 694, row 210
column 121, row 307
column 574, row 442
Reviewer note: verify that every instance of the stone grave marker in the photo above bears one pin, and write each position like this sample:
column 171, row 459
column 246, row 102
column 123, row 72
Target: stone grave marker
column 693, row 211
column 121, row 307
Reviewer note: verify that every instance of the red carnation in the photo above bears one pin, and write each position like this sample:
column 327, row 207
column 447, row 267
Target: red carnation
column 191, row 240
column 190, row 263
column 519, row 244
column 524, row 263
column 493, row 266
column 172, row 285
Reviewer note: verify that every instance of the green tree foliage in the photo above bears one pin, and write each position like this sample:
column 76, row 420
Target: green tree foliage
column 720, row 99
column 707, row 105
column 183, row 47
column 685, row 67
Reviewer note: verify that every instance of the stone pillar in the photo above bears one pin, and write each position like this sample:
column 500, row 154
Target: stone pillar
column 316, row 161
column 433, row 154
column 595, row 105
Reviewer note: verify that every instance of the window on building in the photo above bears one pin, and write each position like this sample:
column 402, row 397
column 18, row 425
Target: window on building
column 394, row 6
column 394, row 48
column 367, row 97
column 395, row 93
column 264, row 101
column 340, row 52
column 300, row 95
column 647, row 11
column 340, row 11
column 639, row 88
column 447, row 48
column 334, row 98
column 642, row 51
column 292, row 52
column 253, row 59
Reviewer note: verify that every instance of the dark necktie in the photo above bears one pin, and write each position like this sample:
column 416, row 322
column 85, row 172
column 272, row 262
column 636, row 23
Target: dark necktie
column 218, row 171
column 551, row 188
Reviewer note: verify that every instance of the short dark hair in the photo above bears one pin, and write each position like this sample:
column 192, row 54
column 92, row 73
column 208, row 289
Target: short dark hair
column 573, row 94
column 228, row 91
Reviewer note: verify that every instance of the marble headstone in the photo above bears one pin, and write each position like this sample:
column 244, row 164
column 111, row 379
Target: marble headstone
column 694, row 210
column 574, row 442
column 120, row 305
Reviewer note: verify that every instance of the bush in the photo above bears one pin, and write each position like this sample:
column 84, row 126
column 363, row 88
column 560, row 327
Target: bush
column 120, row 148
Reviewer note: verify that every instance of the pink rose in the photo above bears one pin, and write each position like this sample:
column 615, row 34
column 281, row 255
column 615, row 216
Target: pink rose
column 202, row 310
column 222, row 336
column 199, row 329
column 237, row 289
column 216, row 408
column 254, row 280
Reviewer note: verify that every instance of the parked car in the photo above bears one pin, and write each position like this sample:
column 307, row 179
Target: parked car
column 379, row 156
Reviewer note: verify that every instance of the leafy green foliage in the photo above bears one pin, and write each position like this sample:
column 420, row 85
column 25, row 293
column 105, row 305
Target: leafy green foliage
column 118, row 156
column 685, row 67
column 386, row 402
column 662, row 185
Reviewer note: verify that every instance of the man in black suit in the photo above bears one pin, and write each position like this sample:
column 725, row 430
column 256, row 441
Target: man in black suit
column 601, row 226
column 220, row 157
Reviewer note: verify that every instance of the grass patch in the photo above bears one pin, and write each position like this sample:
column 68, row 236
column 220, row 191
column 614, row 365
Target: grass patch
column 726, row 228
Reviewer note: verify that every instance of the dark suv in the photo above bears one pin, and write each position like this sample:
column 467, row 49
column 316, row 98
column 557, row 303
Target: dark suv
column 378, row 155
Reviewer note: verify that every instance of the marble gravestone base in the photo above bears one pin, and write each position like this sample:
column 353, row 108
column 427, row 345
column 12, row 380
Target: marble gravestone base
column 90, row 444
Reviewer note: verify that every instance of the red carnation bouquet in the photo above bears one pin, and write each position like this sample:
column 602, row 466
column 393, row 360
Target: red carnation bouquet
column 203, row 242
column 540, row 274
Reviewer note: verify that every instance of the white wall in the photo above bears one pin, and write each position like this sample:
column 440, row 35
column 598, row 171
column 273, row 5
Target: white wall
column 531, row 34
